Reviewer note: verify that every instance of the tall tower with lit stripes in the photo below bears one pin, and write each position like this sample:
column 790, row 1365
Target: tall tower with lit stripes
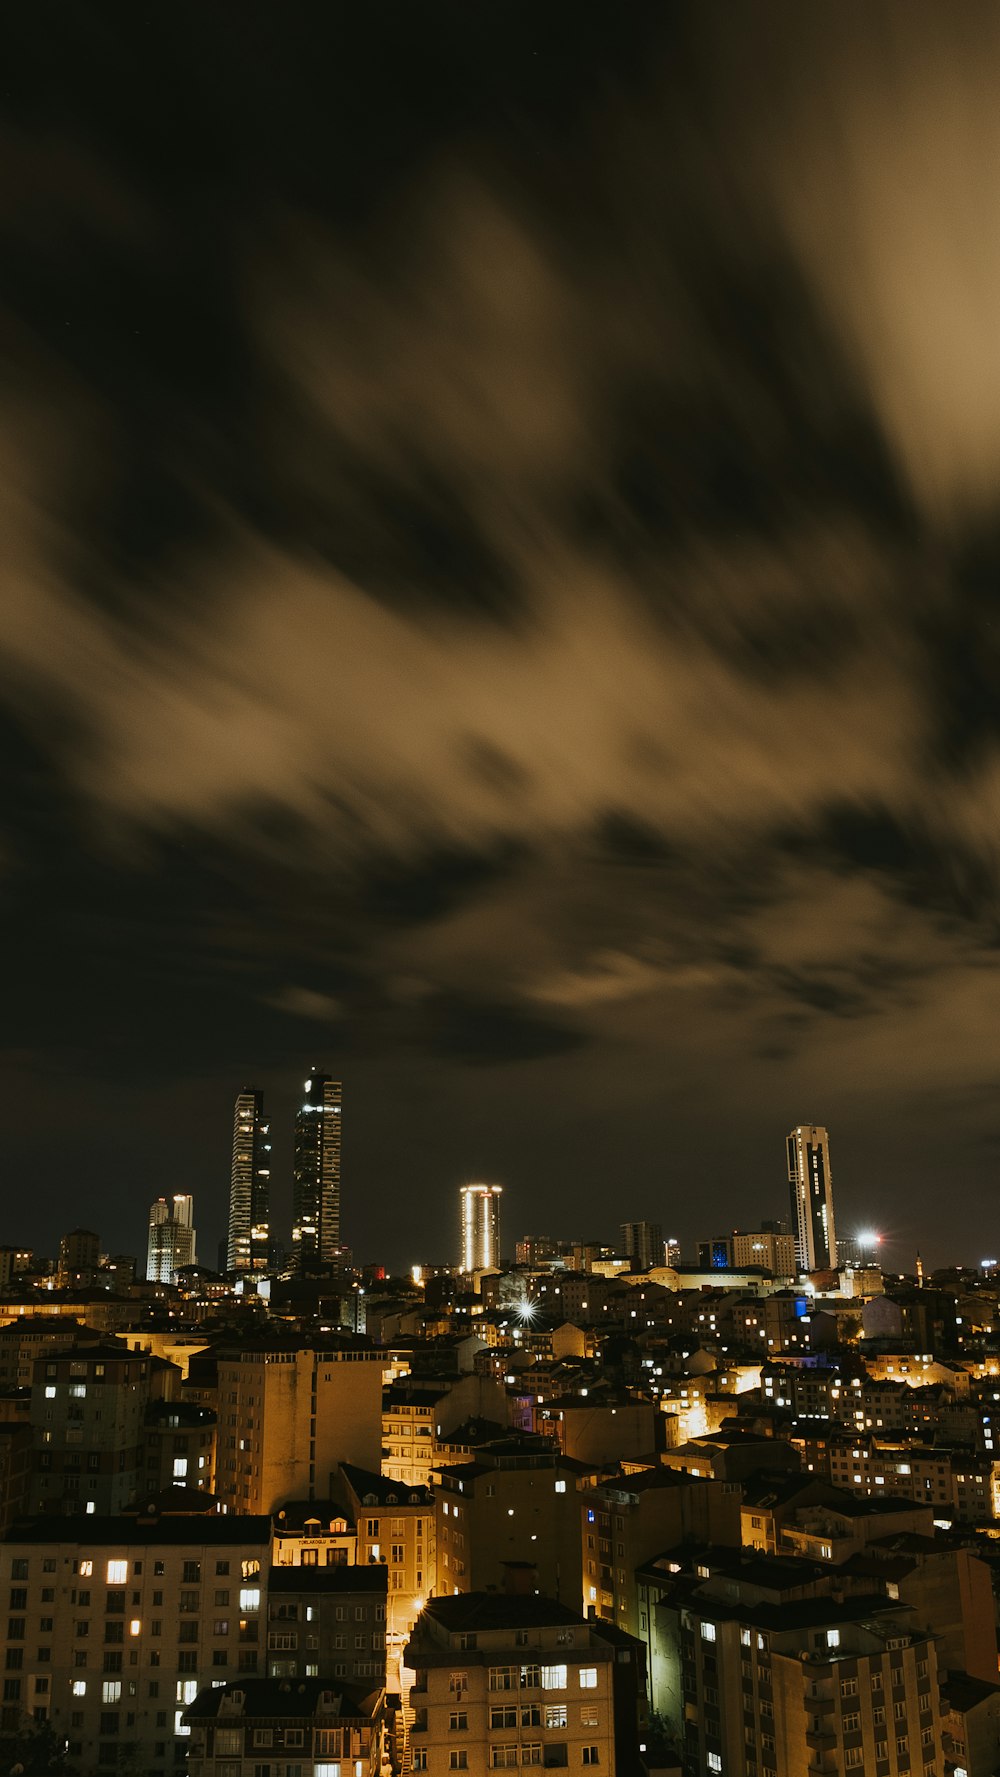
column 316, row 1174
column 248, row 1246
column 480, row 1227
column 811, row 1186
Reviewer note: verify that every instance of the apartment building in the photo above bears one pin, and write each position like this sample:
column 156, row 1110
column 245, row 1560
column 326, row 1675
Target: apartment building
column 959, row 1484
column 409, row 1419
column 314, row 1533
column 179, row 1446
column 88, row 1406
column 238, row 1730
column 327, row 1621
column 16, row 1445
column 760, row 1679
column 627, row 1520
column 514, row 1503
column 504, row 1681
column 288, row 1415
column 395, row 1530
column 114, row 1624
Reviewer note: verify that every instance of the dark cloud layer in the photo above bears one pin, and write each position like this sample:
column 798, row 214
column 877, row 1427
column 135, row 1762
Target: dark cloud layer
column 501, row 527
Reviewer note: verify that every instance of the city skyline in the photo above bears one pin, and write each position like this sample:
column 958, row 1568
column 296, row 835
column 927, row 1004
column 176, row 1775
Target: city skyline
column 504, row 596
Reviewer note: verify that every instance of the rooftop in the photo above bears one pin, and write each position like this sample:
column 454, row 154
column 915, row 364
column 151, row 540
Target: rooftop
column 498, row 1610
column 184, row 1528
column 364, row 1482
column 278, row 1698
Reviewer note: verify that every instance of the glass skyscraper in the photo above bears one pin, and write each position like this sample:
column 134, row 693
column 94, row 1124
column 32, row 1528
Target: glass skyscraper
column 316, row 1174
column 249, row 1243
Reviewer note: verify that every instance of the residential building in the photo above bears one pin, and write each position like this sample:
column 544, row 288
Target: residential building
column 88, row 1407
column 79, row 1259
column 316, row 1175
column 515, row 1503
column 249, row 1244
column 314, row 1533
column 179, row 1439
column 396, row 1530
column 239, row 1729
column 757, row 1673
column 504, row 1681
column 116, row 1623
column 625, row 1521
column 289, row 1414
column 16, row 1446
column 327, row 1622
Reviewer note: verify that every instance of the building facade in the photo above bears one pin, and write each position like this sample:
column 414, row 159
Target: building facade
column 115, row 1625
column 288, row 1416
column 248, row 1246
column 237, row 1730
column 501, row 1682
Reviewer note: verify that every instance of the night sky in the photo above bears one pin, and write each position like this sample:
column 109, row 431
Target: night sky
column 501, row 549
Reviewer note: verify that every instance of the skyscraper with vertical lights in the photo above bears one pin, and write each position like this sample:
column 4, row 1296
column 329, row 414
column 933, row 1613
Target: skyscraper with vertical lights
column 480, row 1227
column 316, row 1174
column 248, row 1246
column 811, row 1187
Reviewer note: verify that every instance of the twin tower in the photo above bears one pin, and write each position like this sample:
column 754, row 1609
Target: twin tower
column 315, row 1180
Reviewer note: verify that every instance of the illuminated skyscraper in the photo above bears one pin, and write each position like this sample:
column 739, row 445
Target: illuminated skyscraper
column 171, row 1237
column 316, row 1174
column 811, row 1186
column 480, row 1227
column 250, row 1186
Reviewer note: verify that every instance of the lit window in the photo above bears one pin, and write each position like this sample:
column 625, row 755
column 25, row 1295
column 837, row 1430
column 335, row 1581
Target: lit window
column 117, row 1573
column 708, row 1631
column 588, row 1678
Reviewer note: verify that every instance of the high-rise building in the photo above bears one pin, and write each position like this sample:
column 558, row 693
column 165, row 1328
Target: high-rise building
column 248, row 1247
column 741, row 1250
column 316, row 1174
column 79, row 1258
column 479, row 1238
column 171, row 1237
column 811, row 1186
column 642, row 1243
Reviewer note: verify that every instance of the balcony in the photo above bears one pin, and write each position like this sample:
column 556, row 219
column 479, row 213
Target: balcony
column 820, row 1739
